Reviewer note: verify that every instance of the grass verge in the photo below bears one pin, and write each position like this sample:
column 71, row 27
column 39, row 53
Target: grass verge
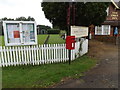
column 55, row 39
column 44, row 75
column 41, row 39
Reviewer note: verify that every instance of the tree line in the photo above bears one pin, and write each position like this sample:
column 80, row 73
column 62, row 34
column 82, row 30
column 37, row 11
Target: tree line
column 29, row 18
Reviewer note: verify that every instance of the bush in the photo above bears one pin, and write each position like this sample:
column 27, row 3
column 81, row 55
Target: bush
column 53, row 31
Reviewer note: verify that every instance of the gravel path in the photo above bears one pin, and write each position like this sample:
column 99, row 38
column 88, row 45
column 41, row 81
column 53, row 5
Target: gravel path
column 104, row 74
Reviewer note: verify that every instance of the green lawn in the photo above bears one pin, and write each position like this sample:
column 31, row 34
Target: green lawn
column 2, row 41
column 55, row 39
column 41, row 39
column 44, row 75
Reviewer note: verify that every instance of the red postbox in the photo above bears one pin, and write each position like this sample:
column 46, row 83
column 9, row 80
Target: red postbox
column 70, row 42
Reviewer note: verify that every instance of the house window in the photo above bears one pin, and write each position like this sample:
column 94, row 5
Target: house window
column 98, row 30
column 106, row 29
column 103, row 30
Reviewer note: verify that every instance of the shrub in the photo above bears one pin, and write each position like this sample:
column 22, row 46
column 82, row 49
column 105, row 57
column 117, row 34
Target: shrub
column 53, row 31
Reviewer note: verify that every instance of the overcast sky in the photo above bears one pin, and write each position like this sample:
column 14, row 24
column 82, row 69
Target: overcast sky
column 18, row 8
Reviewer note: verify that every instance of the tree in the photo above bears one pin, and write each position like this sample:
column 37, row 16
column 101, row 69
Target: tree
column 19, row 19
column 7, row 19
column 25, row 19
column 86, row 14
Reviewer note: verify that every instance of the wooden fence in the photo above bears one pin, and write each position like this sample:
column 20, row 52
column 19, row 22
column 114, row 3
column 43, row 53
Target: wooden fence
column 35, row 55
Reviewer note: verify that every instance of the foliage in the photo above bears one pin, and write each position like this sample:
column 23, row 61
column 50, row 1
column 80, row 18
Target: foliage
column 86, row 14
column 44, row 75
column 43, row 27
column 19, row 19
column 25, row 19
column 53, row 31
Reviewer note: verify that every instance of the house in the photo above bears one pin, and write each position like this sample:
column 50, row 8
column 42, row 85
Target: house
column 111, row 26
column 42, row 29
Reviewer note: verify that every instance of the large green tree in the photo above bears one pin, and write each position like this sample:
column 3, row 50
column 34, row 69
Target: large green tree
column 85, row 13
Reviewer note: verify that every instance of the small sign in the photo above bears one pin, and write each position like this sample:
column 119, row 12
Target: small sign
column 16, row 34
column 79, row 31
column 114, row 15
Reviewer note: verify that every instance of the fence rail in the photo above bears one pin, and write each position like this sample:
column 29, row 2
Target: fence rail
column 35, row 55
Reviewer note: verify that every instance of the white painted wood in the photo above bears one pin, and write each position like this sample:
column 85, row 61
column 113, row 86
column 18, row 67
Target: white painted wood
column 13, row 49
column 19, row 55
column 25, row 55
column 47, row 53
column 30, row 60
column 11, row 57
column 22, row 56
column 5, row 56
column 8, row 56
column 32, row 55
column 35, row 55
column 52, row 53
column 35, row 59
column 40, row 54
column 3, row 64
column 44, row 50
column 27, row 52
column 16, row 50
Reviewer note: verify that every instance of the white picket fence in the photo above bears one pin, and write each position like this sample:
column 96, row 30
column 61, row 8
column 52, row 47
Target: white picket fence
column 35, row 55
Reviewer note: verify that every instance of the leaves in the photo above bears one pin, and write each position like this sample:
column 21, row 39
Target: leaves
column 85, row 14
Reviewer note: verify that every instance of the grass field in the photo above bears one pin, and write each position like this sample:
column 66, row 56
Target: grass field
column 55, row 39
column 41, row 39
column 44, row 75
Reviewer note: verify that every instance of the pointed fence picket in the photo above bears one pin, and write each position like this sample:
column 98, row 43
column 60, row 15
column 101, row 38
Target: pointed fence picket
column 34, row 55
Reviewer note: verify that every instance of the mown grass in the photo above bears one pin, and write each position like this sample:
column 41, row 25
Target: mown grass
column 2, row 43
column 41, row 39
column 55, row 39
column 44, row 75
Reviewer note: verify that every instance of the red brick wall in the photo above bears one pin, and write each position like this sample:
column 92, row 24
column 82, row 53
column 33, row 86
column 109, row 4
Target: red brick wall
column 113, row 10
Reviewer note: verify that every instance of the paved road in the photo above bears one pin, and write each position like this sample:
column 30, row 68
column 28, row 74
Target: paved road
column 104, row 74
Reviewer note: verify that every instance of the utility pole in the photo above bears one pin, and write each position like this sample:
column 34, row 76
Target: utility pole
column 70, row 21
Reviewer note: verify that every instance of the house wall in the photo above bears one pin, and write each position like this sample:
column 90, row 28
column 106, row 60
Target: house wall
column 113, row 19
column 113, row 13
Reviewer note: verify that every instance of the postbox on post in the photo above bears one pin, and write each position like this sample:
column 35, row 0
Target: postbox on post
column 70, row 42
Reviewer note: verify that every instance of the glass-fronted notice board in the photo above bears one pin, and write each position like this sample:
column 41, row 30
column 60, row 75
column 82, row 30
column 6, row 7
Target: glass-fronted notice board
column 20, row 33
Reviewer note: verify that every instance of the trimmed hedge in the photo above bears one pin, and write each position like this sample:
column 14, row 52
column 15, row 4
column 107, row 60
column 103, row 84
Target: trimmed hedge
column 53, row 31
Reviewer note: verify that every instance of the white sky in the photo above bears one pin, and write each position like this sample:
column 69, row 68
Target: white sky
column 18, row 8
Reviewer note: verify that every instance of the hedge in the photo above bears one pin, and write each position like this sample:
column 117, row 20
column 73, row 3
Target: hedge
column 53, row 31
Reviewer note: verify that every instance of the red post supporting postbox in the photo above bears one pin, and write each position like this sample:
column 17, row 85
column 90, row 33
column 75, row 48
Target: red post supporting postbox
column 70, row 42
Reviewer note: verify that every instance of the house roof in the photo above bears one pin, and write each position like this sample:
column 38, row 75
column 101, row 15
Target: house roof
column 116, row 3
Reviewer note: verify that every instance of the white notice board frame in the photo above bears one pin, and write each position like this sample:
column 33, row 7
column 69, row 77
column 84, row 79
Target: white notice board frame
column 20, row 28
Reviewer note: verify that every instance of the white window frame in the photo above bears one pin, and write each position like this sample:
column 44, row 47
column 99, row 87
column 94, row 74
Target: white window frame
column 102, row 29
column 108, row 30
column 20, row 23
